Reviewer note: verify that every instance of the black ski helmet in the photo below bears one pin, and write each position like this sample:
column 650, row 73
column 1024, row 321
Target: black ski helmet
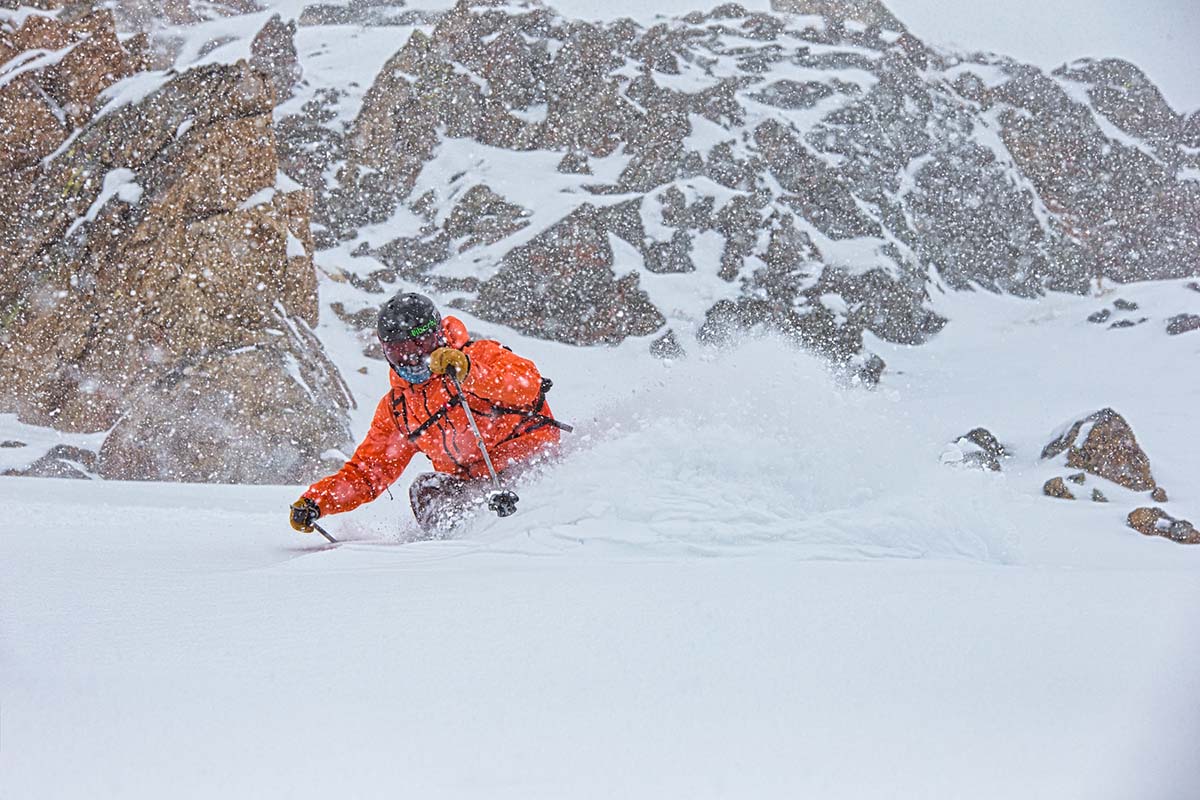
column 408, row 315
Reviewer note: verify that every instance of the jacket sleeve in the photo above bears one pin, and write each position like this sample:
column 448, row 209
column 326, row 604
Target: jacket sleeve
column 375, row 465
column 501, row 375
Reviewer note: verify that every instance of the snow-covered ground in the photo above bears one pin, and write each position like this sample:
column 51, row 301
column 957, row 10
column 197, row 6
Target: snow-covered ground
column 745, row 579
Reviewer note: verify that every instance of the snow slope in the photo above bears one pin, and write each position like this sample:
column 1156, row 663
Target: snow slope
column 744, row 579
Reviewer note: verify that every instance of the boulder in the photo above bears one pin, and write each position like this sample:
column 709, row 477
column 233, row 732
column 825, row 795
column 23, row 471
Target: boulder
column 1182, row 323
column 1056, row 488
column 978, row 448
column 1104, row 445
column 983, row 448
column 244, row 415
column 1156, row 522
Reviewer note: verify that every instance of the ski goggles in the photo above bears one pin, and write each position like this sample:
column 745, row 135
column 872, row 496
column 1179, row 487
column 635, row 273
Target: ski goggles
column 410, row 352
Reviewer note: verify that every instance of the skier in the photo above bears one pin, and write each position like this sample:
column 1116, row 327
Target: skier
column 423, row 413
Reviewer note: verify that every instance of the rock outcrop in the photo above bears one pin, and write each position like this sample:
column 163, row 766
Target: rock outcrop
column 1103, row 444
column 839, row 168
column 273, row 52
column 562, row 286
column 535, row 81
column 54, row 72
column 156, row 284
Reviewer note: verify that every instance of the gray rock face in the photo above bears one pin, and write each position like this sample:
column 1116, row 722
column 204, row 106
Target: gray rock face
column 842, row 163
column 561, row 286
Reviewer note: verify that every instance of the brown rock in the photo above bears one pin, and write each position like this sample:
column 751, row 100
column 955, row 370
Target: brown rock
column 1103, row 444
column 29, row 129
column 1056, row 488
column 274, row 52
column 97, row 61
column 58, row 88
column 283, row 441
column 1159, row 495
column 1156, row 522
column 40, row 33
column 175, row 312
column 1078, row 477
column 1144, row 519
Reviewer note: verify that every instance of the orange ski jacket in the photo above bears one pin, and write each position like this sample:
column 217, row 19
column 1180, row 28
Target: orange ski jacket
column 506, row 394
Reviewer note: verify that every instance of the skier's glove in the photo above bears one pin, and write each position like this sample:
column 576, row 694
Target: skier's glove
column 445, row 357
column 503, row 502
column 304, row 513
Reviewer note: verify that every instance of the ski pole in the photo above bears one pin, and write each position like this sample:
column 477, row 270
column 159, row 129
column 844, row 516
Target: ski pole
column 474, row 428
column 324, row 533
column 500, row 500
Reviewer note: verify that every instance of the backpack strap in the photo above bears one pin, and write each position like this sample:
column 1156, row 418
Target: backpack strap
column 534, row 414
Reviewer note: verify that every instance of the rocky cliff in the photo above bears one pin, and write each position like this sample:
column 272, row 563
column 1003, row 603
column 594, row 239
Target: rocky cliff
column 829, row 167
column 156, row 280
